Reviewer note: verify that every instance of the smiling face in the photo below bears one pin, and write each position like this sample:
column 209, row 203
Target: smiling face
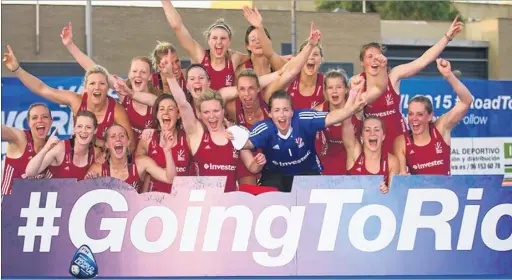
column 117, row 141
column 219, row 42
column 369, row 63
column 313, row 64
column 140, row 75
column 281, row 113
column 373, row 134
column 84, row 130
column 248, row 91
column 39, row 121
column 96, row 86
column 418, row 117
column 212, row 115
column 336, row 90
column 167, row 114
column 197, row 81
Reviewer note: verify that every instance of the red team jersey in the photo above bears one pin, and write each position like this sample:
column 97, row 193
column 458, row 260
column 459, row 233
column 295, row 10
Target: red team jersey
column 387, row 107
column 306, row 102
column 67, row 169
column 108, row 120
column 359, row 167
column 133, row 174
column 15, row 167
column 240, row 119
column 330, row 148
column 222, row 78
column 180, row 154
column 431, row 159
column 214, row 160
column 139, row 122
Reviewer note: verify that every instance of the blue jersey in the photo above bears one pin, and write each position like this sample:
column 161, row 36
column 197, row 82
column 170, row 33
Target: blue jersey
column 293, row 153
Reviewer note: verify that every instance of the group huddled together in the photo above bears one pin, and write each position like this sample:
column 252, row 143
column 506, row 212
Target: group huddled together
column 172, row 122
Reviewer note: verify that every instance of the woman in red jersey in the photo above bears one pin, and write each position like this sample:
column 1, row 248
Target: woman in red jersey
column 160, row 60
column 329, row 144
column 139, row 78
column 121, row 165
column 219, row 60
column 213, row 154
column 93, row 99
column 167, row 118
column 387, row 105
column 369, row 158
column 69, row 158
column 425, row 149
column 25, row 144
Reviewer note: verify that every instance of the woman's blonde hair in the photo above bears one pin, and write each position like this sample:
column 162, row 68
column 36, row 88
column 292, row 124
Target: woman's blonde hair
column 210, row 95
column 96, row 69
column 161, row 48
column 220, row 23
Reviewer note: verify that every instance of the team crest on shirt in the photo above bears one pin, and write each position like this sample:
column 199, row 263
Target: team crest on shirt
column 314, row 103
column 229, row 80
column 148, row 124
column 299, row 141
column 181, row 155
column 439, row 148
column 235, row 153
column 389, row 100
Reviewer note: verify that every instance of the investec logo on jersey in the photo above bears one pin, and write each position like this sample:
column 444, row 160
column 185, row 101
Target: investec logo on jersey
column 294, row 162
column 223, row 167
column 428, row 164
column 383, row 114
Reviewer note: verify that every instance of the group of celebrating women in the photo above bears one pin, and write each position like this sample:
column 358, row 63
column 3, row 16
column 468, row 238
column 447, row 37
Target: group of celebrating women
column 172, row 122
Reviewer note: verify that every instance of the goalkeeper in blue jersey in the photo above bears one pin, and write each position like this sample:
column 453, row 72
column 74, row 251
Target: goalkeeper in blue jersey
column 288, row 138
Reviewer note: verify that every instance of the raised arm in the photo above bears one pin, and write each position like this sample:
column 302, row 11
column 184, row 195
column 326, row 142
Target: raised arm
column 47, row 156
column 62, row 97
column 191, row 124
column 85, row 61
column 254, row 18
column 231, row 93
column 294, row 66
column 355, row 103
column 12, row 135
column 123, row 90
column 412, row 68
column 448, row 121
column 194, row 50
column 351, row 143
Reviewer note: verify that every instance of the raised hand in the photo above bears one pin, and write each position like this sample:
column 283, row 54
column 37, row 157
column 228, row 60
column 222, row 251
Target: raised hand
column 10, row 60
column 456, row 27
column 121, row 87
column 101, row 157
column 260, row 159
column 253, row 16
column 360, row 101
column 314, row 35
column 168, row 141
column 91, row 175
column 444, row 67
column 381, row 60
column 147, row 134
column 356, row 83
column 67, row 35
column 166, row 65
column 384, row 188
column 52, row 141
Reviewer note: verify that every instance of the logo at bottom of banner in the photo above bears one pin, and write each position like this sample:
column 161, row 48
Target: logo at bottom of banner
column 83, row 265
column 327, row 225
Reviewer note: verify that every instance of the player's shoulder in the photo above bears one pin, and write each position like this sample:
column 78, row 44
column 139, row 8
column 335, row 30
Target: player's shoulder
column 261, row 126
column 307, row 114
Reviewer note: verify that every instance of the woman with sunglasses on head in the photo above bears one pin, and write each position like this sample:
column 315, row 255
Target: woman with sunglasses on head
column 93, row 99
column 69, row 158
column 120, row 164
